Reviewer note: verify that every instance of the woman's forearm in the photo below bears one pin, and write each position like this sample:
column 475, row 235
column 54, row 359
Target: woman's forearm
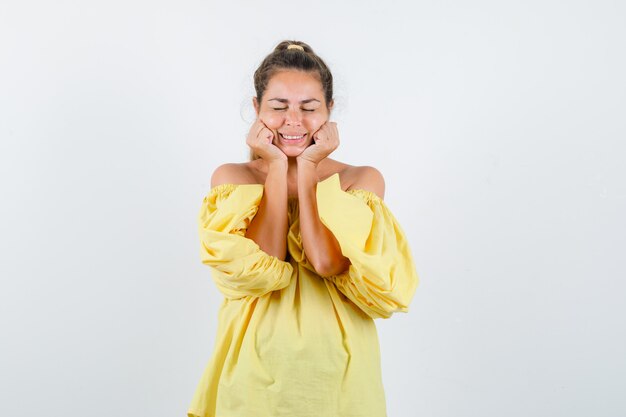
column 269, row 226
column 320, row 246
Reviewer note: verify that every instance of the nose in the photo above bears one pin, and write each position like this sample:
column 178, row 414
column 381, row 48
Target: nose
column 293, row 117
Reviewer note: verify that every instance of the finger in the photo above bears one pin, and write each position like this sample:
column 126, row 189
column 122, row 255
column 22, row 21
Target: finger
column 254, row 128
column 267, row 134
column 260, row 129
column 263, row 123
column 317, row 132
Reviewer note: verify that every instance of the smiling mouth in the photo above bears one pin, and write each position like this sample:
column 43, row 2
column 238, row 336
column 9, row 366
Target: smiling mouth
column 290, row 138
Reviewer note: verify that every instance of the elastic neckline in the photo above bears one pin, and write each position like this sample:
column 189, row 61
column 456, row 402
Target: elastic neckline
column 355, row 191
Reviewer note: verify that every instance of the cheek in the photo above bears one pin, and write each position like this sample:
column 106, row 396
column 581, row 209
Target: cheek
column 314, row 123
column 271, row 120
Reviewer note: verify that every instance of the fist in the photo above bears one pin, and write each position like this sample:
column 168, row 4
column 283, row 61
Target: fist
column 326, row 140
column 260, row 139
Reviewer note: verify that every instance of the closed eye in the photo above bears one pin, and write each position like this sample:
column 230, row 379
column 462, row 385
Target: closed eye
column 285, row 108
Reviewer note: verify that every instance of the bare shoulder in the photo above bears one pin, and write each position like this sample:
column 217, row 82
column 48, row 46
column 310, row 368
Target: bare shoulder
column 232, row 173
column 368, row 178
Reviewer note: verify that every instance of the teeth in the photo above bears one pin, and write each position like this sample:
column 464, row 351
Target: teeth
column 293, row 137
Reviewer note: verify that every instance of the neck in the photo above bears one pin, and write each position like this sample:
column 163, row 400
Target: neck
column 292, row 167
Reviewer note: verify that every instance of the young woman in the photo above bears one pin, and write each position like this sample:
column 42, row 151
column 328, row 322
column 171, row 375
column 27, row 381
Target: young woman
column 306, row 254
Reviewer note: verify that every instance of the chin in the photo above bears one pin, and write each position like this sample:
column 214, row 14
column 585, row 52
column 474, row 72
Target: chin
column 292, row 153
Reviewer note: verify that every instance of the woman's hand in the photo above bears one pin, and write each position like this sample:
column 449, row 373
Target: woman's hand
column 326, row 140
column 260, row 139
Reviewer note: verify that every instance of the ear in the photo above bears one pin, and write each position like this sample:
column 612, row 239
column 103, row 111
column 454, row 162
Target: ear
column 331, row 105
column 255, row 103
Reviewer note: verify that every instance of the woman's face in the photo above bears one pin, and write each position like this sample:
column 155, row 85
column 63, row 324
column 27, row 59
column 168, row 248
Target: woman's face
column 293, row 105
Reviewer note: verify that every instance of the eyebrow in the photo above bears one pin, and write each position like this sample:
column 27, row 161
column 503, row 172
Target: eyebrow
column 284, row 100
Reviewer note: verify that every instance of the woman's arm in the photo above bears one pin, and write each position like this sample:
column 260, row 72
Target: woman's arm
column 320, row 246
column 381, row 279
column 269, row 226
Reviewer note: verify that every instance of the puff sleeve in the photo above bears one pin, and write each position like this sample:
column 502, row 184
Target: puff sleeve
column 239, row 267
column 381, row 279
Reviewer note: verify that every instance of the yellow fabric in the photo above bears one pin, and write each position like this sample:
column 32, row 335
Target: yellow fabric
column 290, row 342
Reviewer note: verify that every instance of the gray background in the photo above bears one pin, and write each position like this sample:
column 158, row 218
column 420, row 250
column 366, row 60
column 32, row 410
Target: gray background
column 499, row 128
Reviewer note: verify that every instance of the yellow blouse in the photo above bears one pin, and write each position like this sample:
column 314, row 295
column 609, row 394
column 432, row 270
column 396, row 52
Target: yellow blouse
column 290, row 342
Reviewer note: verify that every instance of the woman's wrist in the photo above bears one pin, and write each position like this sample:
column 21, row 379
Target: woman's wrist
column 306, row 163
column 307, row 176
column 278, row 165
